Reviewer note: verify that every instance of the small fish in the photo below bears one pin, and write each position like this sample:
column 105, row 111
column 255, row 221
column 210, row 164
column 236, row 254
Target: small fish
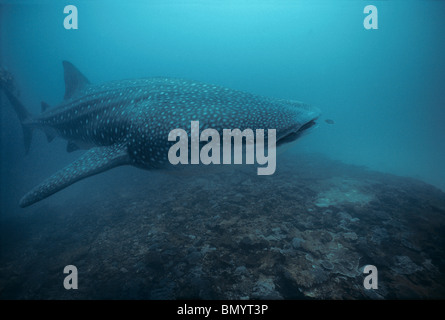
column 329, row 121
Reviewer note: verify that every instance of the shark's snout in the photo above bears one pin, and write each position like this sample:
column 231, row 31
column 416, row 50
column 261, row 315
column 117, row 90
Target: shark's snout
column 307, row 126
column 305, row 118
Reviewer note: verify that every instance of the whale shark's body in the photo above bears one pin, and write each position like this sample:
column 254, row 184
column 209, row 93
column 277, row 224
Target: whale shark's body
column 128, row 121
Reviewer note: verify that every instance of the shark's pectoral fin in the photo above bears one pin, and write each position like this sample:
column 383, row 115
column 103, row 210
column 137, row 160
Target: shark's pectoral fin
column 94, row 161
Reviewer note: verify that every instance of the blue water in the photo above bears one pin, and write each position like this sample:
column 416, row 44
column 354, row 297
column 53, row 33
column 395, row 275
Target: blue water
column 383, row 88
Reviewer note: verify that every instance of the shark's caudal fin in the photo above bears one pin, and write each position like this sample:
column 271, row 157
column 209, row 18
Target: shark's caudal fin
column 92, row 162
column 74, row 79
column 23, row 114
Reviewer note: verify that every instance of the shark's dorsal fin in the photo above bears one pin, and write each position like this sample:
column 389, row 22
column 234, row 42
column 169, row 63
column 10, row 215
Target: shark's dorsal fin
column 74, row 79
column 45, row 106
column 93, row 161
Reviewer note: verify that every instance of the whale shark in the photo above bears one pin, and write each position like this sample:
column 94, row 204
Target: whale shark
column 127, row 122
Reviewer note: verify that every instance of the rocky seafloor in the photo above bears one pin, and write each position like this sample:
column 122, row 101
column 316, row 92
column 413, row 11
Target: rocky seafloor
column 304, row 233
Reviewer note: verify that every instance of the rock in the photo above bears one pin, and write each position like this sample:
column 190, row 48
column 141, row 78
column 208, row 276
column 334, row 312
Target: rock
column 249, row 243
column 154, row 261
column 325, row 237
column 404, row 265
column 379, row 234
column 350, row 236
column 296, row 242
column 327, row 265
column 265, row 289
column 241, row 270
column 194, row 256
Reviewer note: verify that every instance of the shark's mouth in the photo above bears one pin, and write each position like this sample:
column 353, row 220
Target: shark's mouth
column 294, row 135
column 307, row 126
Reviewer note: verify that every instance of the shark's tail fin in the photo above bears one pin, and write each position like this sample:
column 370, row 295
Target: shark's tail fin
column 7, row 86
